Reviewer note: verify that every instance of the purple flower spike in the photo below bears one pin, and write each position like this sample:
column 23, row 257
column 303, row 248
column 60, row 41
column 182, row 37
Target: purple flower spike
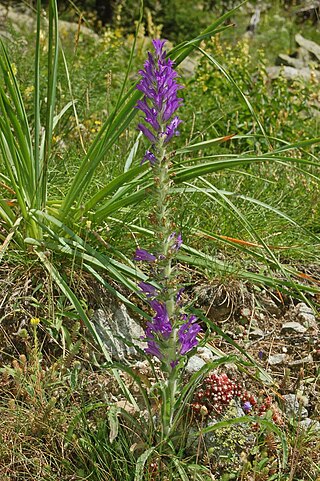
column 143, row 255
column 247, row 406
column 160, row 101
column 188, row 335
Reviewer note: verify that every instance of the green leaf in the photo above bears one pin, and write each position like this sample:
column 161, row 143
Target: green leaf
column 112, row 414
column 141, row 461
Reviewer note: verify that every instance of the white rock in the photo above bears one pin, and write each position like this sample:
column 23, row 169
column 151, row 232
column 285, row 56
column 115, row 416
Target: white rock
column 205, row 353
column 294, row 408
column 276, row 359
column 309, row 45
column 310, row 424
column 115, row 326
column 195, row 363
column 306, row 315
column 291, row 73
column 299, row 362
column 293, row 326
column 257, row 333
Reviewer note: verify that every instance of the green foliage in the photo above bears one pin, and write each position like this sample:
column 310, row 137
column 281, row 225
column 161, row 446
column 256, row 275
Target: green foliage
column 281, row 110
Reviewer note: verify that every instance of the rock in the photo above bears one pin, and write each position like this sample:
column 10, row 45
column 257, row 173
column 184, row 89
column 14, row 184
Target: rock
column 289, row 61
column 299, row 362
column 294, row 408
column 17, row 18
column 293, row 326
column 195, row 363
column 6, row 35
column 291, row 73
column 115, row 326
column 303, row 55
column 308, row 45
column 276, row 359
column 188, row 66
column 205, row 354
column 257, row 333
column 26, row 20
column 305, row 315
column 270, row 306
column 310, row 424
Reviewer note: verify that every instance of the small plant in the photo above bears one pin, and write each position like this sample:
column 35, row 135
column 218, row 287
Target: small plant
column 215, row 394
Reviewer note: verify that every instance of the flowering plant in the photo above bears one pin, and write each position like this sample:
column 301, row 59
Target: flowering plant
column 171, row 334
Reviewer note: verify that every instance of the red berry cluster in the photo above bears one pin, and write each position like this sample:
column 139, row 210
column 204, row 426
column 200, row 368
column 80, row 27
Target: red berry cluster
column 215, row 394
column 265, row 406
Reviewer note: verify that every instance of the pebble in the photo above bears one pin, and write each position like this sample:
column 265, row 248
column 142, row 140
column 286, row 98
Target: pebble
column 257, row 333
column 276, row 359
column 195, row 363
column 311, row 424
column 293, row 408
column 293, row 326
column 205, row 353
column 299, row 362
column 305, row 315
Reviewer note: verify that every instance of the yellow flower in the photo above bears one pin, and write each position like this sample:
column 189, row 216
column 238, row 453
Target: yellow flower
column 34, row 321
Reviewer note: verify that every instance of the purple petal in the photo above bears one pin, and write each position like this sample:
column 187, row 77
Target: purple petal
column 247, row 406
column 188, row 335
column 160, row 323
column 179, row 295
column 148, row 289
column 143, row 255
column 158, row 46
column 149, row 156
column 176, row 241
column 147, row 132
column 153, row 349
column 171, row 129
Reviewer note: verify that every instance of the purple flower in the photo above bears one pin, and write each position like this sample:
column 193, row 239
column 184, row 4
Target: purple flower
column 176, row 241
column 153, row 349
column 172, row 128
column 160, row 323
column 148, row 289
column 143, row 255
column 188, row 335
column 149, row 156
column 179, row 295
column 147, row 132
column 160, row 101
column 158, row 330
column 247, row 406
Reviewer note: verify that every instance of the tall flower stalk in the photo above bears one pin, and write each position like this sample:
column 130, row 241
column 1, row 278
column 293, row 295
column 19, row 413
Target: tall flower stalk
column 171, row 334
